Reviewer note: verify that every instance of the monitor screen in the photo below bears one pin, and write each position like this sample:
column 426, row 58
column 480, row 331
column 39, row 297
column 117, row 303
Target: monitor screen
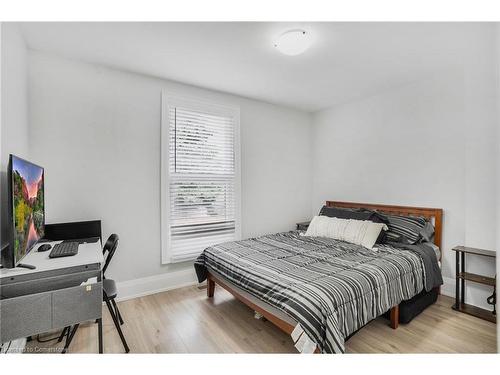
column 28, row 211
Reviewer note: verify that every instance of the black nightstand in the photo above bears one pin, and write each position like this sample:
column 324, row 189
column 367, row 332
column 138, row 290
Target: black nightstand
column 303, row 226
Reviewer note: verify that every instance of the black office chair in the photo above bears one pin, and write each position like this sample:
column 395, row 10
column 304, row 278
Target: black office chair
column 109, row 287
column 109, row 293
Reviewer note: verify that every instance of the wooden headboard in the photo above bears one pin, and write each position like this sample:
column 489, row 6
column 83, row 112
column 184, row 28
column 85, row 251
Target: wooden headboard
column 435, row 215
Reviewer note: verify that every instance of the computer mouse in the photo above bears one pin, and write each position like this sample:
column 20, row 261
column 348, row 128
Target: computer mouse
column 44, row 247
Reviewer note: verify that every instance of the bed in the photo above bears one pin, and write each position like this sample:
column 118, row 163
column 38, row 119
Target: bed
column 320, row 290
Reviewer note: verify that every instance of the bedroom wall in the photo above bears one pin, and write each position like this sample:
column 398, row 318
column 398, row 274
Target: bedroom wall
column 498, row 162
column 481, row 124
column 14, row 108
column 97, row 132
column 428, row 143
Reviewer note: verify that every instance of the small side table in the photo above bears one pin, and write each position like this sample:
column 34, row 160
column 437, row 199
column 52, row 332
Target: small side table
column 462, row 275
column 303, row 226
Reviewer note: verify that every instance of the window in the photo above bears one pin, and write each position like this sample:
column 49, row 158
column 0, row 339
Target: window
column 200, row 177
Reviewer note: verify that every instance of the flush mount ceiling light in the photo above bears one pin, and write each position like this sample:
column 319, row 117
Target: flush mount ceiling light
column 293, row 42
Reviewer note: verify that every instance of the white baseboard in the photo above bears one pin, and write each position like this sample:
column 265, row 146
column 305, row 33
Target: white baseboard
column 156, row 284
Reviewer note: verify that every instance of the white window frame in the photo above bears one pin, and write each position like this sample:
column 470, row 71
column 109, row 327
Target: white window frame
column 169, row 100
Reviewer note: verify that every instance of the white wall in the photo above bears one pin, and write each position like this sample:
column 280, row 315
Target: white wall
column 14, row 103
column 430, row 143
column 498, row 163
column 2, row 199
column 481, row 123
column 97, row 133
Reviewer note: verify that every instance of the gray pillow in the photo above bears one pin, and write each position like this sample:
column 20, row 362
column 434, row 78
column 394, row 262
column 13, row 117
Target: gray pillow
column 427, row 233
column 406, row 229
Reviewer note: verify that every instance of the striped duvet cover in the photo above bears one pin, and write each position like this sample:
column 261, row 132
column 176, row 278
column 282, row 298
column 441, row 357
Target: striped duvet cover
column 332, row 288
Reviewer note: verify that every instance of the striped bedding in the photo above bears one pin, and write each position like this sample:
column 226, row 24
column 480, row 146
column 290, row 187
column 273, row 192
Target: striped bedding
column 332, row 288
column 405, row 229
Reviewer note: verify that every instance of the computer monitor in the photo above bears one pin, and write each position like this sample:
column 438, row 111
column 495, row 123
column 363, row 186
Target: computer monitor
column 26, row 206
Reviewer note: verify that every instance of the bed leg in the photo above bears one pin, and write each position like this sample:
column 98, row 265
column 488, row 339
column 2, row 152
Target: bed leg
column 210, row 287
column 395, row 317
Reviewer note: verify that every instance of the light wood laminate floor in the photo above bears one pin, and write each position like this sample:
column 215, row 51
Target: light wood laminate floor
column 185, row 321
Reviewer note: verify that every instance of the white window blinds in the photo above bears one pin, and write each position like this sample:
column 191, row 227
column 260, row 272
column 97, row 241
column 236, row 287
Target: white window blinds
column 201, row 179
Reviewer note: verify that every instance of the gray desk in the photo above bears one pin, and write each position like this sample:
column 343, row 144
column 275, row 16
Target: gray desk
column 60, row 292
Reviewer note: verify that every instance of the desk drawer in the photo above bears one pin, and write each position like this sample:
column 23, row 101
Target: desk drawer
column 25, row 316
column 76, row 304
column 21, row 287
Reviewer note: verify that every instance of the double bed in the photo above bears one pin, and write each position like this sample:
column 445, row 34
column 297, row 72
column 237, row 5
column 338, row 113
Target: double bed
column 322, row 290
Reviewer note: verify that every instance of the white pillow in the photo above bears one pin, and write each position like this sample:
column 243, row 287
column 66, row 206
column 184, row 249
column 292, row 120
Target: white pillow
column 359, row 232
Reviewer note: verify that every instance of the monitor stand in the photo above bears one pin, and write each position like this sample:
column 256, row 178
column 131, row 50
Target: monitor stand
column 28, row 266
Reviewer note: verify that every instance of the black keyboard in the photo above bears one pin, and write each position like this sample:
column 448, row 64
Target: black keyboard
column 64, row 249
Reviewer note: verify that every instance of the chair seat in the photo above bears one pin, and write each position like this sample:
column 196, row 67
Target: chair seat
column 109, row 287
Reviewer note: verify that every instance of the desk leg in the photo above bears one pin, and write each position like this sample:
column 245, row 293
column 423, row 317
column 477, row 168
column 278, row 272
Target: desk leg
column 99, row 329
column 457, row 280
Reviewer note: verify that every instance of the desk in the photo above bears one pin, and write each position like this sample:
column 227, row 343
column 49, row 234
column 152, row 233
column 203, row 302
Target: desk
column 60, row 292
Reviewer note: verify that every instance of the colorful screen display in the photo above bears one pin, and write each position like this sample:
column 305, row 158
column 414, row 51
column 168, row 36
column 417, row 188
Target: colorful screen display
column 28, row 206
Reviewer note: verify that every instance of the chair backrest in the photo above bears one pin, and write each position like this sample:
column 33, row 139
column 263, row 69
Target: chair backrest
column 109, row 248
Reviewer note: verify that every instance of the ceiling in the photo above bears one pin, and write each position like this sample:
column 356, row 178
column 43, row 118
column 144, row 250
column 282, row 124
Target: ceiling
column 346, row 61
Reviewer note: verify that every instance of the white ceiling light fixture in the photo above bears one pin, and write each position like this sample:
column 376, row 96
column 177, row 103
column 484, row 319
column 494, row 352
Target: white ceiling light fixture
column 293, row 42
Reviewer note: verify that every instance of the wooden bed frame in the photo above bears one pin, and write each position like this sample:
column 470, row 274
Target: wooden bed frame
column 435, row 215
